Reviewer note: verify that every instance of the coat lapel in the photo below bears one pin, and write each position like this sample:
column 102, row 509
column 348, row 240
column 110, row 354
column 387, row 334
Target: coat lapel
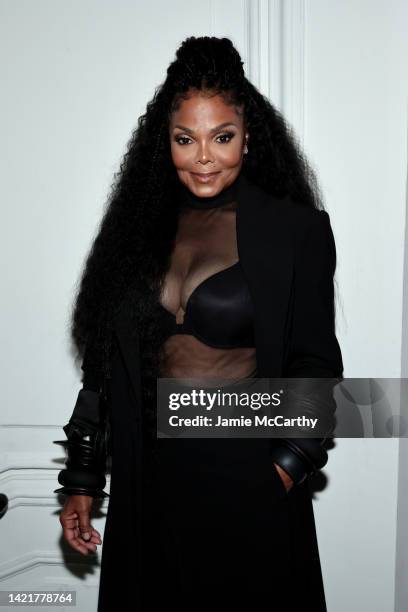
column 266, row 253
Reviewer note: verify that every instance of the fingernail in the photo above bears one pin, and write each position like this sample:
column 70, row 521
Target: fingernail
column 86, row 536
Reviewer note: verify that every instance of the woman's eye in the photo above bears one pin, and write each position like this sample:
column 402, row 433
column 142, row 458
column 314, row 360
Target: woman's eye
column 178, row 138
column 225, row 138
column 228, row 135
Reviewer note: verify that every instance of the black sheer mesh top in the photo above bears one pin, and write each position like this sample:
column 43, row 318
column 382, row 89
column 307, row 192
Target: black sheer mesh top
column 205, row 293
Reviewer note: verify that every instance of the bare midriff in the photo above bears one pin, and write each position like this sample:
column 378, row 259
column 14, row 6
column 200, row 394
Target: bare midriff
column 184, row 356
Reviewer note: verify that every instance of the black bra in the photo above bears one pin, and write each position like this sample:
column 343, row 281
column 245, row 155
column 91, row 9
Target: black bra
column 219, row 311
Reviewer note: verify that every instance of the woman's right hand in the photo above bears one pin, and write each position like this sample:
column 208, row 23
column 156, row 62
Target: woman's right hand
column 75, row 521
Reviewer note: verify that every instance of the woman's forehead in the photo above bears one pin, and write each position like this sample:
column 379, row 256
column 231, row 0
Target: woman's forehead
column 198, row 111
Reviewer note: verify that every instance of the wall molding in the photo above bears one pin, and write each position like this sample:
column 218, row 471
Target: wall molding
column 275, row 51
column 264, row 34
column 28, row 561
column 34, row 486
column 293, row 65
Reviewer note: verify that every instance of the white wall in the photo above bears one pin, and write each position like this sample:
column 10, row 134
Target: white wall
column 355, row 132
column 75, row 78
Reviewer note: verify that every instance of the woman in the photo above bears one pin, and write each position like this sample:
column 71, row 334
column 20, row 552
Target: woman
column 214, row 259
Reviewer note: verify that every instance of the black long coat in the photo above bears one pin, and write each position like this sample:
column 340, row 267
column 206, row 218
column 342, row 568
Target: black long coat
column 233, row 529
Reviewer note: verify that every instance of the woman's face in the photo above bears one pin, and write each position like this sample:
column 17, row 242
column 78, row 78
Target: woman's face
column 207, row 136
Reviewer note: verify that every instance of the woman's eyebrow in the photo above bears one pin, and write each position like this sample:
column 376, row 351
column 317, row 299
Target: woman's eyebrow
column 214, row 129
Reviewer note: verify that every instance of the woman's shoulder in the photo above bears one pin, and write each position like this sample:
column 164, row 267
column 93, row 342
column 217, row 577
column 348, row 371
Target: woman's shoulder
column 291, row 219
column 296, row 218
column 296, row 211
column 287, row 207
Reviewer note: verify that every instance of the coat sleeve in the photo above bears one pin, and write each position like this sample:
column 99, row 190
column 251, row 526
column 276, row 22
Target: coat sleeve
column 314, row 351
column 87, row 437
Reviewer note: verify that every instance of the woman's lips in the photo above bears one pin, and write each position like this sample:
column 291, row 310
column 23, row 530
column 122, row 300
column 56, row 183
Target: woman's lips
column 205, row 177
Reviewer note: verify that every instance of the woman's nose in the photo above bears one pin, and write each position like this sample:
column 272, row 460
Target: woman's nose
column 204, row 153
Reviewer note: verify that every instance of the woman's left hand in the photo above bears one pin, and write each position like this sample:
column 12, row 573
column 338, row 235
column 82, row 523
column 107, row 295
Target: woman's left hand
column 287, row 480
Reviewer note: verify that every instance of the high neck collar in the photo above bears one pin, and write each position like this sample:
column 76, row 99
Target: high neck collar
column 225, row 196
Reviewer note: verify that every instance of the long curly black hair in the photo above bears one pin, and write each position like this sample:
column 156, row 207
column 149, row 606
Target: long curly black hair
column 131, row 252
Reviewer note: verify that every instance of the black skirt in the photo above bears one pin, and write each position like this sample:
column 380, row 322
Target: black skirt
column 219, row 528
